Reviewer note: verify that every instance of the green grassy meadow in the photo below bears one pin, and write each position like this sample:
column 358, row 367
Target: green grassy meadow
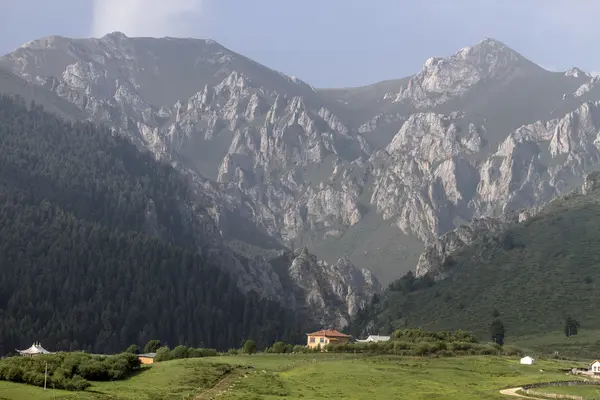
column 313, row 376
column 169, row 380
column 387, row 377
column 581, row 346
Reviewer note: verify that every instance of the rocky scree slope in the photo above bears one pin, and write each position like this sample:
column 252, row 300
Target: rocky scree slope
column 372, row 174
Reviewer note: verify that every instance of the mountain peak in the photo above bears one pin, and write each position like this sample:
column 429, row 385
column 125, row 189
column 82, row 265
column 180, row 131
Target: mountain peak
column 443, row 79
column 577, row 73
column 115, row 35
column 490, row 42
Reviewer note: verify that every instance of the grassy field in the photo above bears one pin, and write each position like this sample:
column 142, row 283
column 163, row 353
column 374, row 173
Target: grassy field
column 170, row 380
column 582, row 346
column 310, row 376
column 390, row 378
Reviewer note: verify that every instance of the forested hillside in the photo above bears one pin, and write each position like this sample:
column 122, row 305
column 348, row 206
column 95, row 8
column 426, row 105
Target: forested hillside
column 96, row 248
column 531, row 277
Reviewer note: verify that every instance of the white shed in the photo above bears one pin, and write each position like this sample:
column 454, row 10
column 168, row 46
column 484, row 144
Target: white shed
column 375, row 339
column 527, row 360
column 595, row 367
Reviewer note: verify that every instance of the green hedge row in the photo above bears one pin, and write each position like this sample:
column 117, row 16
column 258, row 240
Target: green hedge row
column 395, row 347
column 70, row 371
column 165, row 353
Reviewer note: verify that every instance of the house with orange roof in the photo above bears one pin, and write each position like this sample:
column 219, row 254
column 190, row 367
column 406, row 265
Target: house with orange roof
column 325, row 337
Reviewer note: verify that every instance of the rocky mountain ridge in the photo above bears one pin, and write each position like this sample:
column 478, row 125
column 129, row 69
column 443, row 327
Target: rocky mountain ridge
column 477, row 134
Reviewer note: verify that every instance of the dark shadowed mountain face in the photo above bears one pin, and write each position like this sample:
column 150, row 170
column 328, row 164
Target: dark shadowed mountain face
column 101, row 246
column 372, row 174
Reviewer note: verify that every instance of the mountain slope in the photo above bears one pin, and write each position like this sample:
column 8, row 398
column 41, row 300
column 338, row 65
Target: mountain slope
column 101, row 248
column 383, row 169
column 14, row 85
column 535, row 273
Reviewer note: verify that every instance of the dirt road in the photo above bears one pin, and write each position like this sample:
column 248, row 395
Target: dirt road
column 513, row 392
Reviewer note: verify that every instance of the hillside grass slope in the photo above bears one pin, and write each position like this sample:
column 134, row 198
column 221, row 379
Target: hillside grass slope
column 534, row 274
column 321, row 376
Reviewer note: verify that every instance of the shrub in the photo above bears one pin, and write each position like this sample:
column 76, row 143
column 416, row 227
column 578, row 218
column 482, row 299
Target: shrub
column 163, row 354
column 438, row 346
column 70, row 371
column 299, row 349
column 278, row 347
column 152, row 346
column 250, row 346
column 401, row 345
column 179, row 352
column 461, row 346
column 422, row 349
column 133, row 349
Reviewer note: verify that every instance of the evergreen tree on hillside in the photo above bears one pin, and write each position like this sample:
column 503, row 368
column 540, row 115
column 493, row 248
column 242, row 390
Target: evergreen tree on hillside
column 571, row 327
column 497, row 331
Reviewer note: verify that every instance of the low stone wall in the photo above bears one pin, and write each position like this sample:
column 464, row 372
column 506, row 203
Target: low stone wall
column 551, row 395
column 560, row 383
column 530, row 389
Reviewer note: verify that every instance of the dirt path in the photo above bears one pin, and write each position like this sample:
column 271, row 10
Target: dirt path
column 513, row 392
column 222, row 384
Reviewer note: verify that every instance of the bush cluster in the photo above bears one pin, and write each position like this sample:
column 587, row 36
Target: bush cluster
column 69, row 371
column 165, row 353
column 421, row 335
column 287, row 348
column 426, row 348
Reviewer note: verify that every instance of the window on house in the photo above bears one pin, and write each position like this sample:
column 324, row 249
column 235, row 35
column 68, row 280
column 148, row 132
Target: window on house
column 322, row 340
column 312, row 339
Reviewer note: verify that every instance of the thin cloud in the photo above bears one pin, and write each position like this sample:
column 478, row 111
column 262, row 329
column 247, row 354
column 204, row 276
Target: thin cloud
column 155, row 18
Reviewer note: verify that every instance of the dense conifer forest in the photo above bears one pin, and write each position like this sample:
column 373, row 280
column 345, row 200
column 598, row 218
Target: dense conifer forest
column 82, row 268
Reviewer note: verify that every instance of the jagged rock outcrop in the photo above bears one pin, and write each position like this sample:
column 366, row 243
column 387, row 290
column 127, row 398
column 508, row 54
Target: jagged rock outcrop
column 442, row 80
column 436, row 260
column 331, row 293
column 477, row 134
column 577, row 72
column 426, row 178
column 591, row 183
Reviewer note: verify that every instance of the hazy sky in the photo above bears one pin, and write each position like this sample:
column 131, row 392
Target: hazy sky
column 329, row 43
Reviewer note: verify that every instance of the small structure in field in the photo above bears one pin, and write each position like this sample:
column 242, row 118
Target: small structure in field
column 325, row 337
column 374, row 339
column 35, row 350
column 147, row 358
column 594, row 367
column 527, row 360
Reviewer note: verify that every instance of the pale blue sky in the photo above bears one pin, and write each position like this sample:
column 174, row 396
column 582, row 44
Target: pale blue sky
column 329, row 43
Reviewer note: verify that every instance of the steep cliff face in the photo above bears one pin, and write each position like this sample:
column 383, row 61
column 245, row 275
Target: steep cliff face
column 218, row 115
column 477, row 134
column 331, row 293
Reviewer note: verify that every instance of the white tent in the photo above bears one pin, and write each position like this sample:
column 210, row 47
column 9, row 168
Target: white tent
column 35, row 349
column 527, row 360
column 374, row 338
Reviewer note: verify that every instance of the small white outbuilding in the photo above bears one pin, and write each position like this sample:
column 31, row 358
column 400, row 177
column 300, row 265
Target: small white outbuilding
column 527, row 360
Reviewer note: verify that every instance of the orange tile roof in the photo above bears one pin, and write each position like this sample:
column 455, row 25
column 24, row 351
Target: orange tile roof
column 328, row 333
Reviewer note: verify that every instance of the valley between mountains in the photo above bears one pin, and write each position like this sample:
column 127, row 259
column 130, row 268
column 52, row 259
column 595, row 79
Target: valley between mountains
column 316, row 199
